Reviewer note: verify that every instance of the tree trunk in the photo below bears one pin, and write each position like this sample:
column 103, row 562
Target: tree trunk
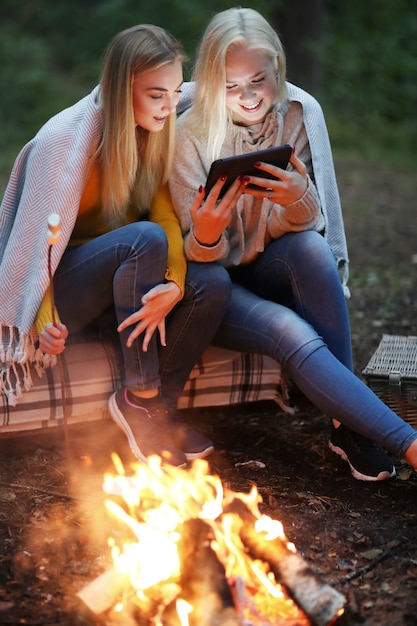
column 300, row 24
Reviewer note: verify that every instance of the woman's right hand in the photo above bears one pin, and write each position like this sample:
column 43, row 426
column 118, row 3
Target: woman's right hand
column 157, row 303
column 52, row 338
column 212, row 216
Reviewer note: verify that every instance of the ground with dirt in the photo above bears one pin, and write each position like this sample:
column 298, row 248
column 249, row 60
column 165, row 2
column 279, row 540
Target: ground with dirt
column 360, row 537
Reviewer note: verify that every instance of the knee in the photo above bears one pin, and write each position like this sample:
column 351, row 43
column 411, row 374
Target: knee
column 308, row 253
column 221, row 285
column 317, row 248
column 152, row 232
column 217, row 280
column 211, row 280
column 147, row 236
column 294, row 338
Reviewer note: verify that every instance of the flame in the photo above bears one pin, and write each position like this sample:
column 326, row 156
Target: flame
column 184, row 608
column 155, row 502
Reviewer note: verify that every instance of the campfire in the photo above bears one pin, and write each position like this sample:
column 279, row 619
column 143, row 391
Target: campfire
column 186, row 551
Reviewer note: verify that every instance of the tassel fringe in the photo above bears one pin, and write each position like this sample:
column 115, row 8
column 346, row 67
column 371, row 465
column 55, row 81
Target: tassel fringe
column 18, row 354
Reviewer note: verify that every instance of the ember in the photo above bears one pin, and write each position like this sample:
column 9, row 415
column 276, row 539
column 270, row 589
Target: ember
column 188, row 552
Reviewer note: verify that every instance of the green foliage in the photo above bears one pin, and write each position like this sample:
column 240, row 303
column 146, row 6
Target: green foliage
column 52, row 52
column 31, row 91
column 369, row 58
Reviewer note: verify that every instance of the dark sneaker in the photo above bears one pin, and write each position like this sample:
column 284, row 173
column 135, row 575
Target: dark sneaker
column 148, row 429
column 367, row 460
column 193, row 444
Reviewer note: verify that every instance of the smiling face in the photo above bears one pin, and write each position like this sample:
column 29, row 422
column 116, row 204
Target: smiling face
column 251, row 85
column 155, row 95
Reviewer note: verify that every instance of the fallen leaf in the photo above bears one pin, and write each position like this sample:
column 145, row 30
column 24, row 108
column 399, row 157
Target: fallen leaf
column 7, row 496
column 370, row 555
column 251, row 464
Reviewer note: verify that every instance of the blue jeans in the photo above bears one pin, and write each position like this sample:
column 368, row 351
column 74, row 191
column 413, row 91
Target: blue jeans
column 289, row 304
column 114, row 271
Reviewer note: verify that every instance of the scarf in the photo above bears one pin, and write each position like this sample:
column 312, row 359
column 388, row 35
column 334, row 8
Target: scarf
column 325, row 178
column 48, row 177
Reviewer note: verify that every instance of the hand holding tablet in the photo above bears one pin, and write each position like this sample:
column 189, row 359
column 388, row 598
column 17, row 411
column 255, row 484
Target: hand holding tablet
column 243, row 165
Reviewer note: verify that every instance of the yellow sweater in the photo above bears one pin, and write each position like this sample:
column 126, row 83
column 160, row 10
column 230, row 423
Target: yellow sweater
column 89, row 225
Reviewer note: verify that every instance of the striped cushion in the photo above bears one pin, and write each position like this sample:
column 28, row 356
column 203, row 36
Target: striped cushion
column 92, row 371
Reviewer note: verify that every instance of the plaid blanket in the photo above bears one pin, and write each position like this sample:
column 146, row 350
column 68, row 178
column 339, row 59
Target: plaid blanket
column 92, row 371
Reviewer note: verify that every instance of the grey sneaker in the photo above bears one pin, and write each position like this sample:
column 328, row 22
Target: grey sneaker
column 367, row 460
column 148, row 428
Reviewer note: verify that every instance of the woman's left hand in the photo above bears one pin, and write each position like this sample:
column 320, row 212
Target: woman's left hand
column 157, row 304
column 53, row 337
column 285, row 188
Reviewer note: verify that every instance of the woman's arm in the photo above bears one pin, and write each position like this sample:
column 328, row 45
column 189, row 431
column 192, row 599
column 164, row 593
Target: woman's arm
column 186, row 185
column 162, row 213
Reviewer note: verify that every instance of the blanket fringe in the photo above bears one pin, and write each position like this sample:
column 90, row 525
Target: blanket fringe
column 18, row 354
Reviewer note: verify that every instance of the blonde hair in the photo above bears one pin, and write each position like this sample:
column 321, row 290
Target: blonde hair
column 133, row 161
column 228, row 30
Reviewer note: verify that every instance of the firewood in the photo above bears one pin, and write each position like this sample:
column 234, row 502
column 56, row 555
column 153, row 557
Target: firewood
column 202, row 584
column 203, row 581
column 320, row 602
column 102, row 593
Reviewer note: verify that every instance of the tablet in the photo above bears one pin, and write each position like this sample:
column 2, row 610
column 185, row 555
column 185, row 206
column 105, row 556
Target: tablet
column 242, row 165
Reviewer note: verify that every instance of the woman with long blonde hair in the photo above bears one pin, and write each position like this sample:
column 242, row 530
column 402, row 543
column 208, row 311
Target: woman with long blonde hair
column 281, row 238
column 97, row 165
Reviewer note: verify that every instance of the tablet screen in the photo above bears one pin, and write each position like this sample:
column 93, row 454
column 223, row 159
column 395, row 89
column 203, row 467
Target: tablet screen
column 242, row 165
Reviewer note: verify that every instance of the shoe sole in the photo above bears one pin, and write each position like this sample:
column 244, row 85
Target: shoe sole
column 119, row 419
column 381, row 476
column 191, row 456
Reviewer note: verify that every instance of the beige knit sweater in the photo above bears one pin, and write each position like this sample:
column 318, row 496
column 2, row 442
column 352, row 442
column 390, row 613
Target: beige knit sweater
column 299, row 122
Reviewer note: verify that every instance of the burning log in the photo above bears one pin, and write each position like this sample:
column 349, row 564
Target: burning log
column 321, row 603
column 98, row 598
column 102, row 593
column 202, row 584
column 203, row 581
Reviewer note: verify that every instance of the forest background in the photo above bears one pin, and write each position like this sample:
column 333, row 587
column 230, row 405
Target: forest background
column 358, row 58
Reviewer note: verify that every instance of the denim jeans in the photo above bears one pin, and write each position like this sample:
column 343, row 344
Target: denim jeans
column 289, row 304
column 114, row 271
